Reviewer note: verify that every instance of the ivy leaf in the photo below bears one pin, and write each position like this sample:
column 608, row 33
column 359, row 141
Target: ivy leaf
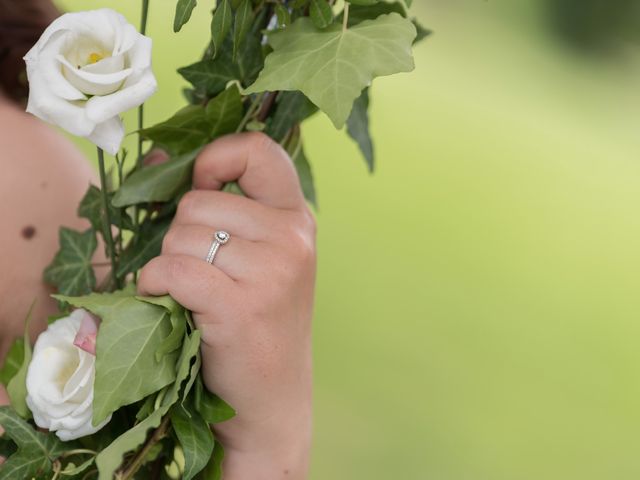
column 321, row 13
column 333, row 66
column 282, row 15
column 422, row 31
column 195, row 438
column 109, row 459
column 185, row 131
column 17, row 386
column 365, row 3
column 212, row 408
column 178, row 323
column 358, row 127
column 220, row 24
column 36, row 450
column 183, row 13
column 127, row 369
column 144, row 246
column 213, row 470
column 242, row 25
column 303, row 168
column 156, row 183
column 211, row 75
column 91, row 208
column 291, row 108
column 408, row 2
column 358, row 14
column 71, row 271
column 195, row 125
column 13, row 361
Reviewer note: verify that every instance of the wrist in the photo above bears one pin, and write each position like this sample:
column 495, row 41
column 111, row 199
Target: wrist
column 278, row 449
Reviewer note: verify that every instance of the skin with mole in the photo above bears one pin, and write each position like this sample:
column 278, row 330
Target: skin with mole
column 28, row 232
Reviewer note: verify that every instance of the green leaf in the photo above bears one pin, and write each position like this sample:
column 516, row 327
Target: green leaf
column 195, row 125
column 422, row 31
column 321, row 13
column 358, row 127
column 212, row 408
column 144, row 246
column 358, row 14
column 220, row 24
column 71, row 469
column 195, row 438
column 282, row 15
column 71, row 271
column 225, row 112
column 365, row 3
column 183, row 13
column 178, row 323
column 110, row 458
column 36, row 450
column 333, row 66
column 303, row 168
column 13, row 361
column 213, row 470
column 185, row 131
column 17, row 386
column 408, row 2
column 210, row 76
column 242, row 25
column 127, row 369
column 91, row 208
column 291, row 108
column 156, row 183
column 7, row 447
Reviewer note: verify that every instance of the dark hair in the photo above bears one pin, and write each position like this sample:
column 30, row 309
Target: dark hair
column 21, row 24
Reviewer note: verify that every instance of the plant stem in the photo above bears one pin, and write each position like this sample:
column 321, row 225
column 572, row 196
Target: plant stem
column 136, row 463
column 345, row 16
column 143, row 30
column 106, row 219
column 252, row 109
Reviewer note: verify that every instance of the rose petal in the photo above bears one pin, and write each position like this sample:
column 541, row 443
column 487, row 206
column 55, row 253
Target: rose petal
column 87, row 332
column 108, row 135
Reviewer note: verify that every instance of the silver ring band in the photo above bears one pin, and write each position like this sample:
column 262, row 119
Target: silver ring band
column 219, row 238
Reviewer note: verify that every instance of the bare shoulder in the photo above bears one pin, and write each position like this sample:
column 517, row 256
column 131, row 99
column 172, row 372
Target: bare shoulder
column 42, row 179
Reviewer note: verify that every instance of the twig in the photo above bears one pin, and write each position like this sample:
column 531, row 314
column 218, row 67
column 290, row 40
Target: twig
column 136, row 463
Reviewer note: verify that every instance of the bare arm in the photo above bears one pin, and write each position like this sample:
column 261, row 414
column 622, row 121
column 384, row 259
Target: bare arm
column 42, row 179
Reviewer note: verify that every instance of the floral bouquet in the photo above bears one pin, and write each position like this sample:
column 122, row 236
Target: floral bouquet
column 113, row 388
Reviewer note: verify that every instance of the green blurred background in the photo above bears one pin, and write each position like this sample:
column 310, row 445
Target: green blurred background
column 477, row 303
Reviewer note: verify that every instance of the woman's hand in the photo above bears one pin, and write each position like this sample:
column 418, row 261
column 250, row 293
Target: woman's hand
column 253, row 305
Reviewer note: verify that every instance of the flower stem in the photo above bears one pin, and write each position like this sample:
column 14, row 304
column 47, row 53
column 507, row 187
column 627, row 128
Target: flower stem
column 106, row 219
column 345, row 18
column 253, row 108
column 157, row 435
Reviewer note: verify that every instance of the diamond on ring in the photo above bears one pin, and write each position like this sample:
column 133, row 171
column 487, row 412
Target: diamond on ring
column 219, row 238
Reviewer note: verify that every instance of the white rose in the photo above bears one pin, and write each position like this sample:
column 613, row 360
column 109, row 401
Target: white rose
column 85, row 70
column 60, row 381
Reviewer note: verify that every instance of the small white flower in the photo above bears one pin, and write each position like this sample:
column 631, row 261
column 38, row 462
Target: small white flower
column 60, row 381
column 85, row 70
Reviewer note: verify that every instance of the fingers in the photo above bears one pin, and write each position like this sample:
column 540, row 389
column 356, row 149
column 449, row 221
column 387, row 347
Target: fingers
column 237, row 215
column 261, row 167
column 236, row 258
column 192, row 282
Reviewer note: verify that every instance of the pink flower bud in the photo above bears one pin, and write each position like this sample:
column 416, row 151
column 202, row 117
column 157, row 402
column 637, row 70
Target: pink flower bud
column 87, row 334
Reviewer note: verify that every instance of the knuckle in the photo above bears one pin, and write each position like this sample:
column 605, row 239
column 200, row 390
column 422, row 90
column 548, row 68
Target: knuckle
column 169, row 240
column 186, row 204
column 177, row 267
column 260, row 141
